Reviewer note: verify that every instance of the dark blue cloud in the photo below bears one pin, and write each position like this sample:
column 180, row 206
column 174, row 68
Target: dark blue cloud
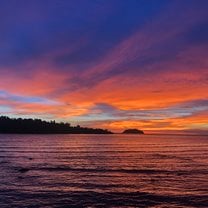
column 30, row 29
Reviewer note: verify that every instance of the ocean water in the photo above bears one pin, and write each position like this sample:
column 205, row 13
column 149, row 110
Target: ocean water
column 51, row 171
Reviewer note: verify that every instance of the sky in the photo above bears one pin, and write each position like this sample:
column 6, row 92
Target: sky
column 110, row 64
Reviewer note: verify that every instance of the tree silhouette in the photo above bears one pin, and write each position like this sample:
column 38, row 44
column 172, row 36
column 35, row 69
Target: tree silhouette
column 38, row 126
column 133, row 131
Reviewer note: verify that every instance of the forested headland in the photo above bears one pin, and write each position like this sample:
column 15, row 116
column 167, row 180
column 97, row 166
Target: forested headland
column 38, row 126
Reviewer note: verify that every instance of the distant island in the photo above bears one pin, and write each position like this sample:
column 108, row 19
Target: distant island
column 133, row 131
column 38, row 126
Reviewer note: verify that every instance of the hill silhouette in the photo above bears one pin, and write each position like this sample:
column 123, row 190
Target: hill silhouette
column 133, row 131
column 38, row 126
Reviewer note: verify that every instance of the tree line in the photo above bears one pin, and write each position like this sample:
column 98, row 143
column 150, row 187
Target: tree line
column 38, row 126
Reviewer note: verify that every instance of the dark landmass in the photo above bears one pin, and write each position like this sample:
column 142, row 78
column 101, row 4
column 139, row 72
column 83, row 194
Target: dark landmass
column 38, row 126
column 133, row 131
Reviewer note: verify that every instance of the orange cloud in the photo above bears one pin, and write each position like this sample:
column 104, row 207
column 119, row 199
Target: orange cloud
column 149, row 70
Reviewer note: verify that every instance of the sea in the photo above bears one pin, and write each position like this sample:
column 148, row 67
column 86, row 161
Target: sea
column 52, row 171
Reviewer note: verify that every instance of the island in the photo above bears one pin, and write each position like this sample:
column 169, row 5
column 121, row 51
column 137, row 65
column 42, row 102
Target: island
column 133, row 131
column 38, row 126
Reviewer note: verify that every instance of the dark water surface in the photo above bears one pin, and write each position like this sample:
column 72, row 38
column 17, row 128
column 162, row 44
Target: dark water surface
column 103, row 171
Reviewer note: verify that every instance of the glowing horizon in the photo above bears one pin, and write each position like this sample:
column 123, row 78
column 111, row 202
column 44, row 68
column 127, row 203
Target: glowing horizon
column 107, row 64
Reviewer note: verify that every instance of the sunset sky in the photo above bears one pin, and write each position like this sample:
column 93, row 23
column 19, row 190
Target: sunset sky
column 112, row 64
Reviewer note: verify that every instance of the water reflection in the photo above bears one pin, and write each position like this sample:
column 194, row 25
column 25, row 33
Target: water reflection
column 103, row 171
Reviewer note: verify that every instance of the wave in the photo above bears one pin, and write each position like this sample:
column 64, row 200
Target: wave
column 95, row 199
column 108, row 170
